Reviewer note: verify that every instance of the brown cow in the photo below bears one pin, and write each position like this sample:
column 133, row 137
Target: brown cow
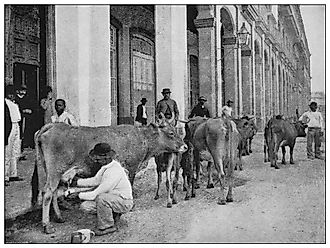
column 60, row 147
column 216, row 141
column 281, row 133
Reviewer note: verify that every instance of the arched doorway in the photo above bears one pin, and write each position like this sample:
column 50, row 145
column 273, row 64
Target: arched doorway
column 228, row 62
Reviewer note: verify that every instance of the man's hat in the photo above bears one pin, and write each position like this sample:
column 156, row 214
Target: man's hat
column 202, row 98
column 166, row 90
column 101, row 151
column 144, row 99
column 313, row 103
column 229, row 101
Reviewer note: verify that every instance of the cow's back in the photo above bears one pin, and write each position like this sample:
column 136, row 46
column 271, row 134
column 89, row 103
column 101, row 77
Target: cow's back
column 283, row 128
column 71, row 145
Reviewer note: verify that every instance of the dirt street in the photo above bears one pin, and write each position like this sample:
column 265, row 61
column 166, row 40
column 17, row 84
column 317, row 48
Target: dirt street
column 270, row 206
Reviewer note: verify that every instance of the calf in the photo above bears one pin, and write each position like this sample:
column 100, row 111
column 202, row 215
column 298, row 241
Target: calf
column 62, row 148
column 281, row 133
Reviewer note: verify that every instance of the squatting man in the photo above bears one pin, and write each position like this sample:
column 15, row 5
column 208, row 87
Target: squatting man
column 108, row 193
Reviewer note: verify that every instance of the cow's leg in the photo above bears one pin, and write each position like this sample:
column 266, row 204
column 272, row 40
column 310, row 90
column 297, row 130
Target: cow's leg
column 159, row 181
column 46, row 201
column 176, row 179
column 58, row 216
column 283, row 155
column 250, row 145
column 168, row 180
column 230, row 189
column 197, row 165
column 275, row 156
column 291, row 152
column 131, row 176
column 210, row 183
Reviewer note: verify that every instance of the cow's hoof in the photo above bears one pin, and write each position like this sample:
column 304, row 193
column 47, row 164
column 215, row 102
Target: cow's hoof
column 276, row 167
column 49, row 229
column 171, row 195
column 272, row 165
column 291, row 162
column 230, row 199
column 187, row 198
column 193, row 195
column 59, row 220
column 210, row 186
column 156, row 197
column 283, row 162
column 222, row 202
column 174, row 201
column 169, row 205
column 184, row 189
column 240, row 168
column 250, row 151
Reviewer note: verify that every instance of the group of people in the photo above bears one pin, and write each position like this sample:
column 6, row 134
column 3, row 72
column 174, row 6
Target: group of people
column 22, row 120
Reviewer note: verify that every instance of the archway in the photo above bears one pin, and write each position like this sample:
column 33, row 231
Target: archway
column 228, row 62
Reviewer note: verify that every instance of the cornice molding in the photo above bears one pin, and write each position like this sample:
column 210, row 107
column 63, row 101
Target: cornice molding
column 205, row 23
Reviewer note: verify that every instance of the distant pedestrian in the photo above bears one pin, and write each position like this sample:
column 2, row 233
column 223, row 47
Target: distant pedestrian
column 62, row 115
column 13, row 148
column 141, row 113
column 200, row 109
column 314, row 120
column 228, row 109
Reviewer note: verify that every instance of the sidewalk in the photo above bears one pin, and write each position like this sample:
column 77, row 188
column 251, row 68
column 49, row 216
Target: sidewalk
column 18, row 194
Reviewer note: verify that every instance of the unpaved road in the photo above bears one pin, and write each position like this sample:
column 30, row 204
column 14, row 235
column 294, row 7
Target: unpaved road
column 270, row 206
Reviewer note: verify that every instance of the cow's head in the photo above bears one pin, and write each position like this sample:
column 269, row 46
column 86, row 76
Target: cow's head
column 300, row 127
column 167, row 138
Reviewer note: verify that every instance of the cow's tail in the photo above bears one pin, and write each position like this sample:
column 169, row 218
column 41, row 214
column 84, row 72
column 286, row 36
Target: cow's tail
column 38, row 163
column 232, row 148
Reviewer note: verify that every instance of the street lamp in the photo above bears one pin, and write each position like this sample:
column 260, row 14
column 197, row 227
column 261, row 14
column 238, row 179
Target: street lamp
column 243, row 36
column 241, row 40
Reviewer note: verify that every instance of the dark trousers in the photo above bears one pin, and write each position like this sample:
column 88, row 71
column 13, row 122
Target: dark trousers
column 313, row 135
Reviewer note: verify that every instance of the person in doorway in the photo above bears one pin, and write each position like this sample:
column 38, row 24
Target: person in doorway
column 111, row 194
column 200, row 109
column 141, row 113
column 62, row 115
column 13, row 147
column 28, row 123
column 314, row 120
column 46, row 104
column 167, row 108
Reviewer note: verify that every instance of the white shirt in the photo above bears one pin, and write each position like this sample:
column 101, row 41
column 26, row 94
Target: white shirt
column 65, row 117
column 111, row 178
column 15, row 115
column 227, row 110
column 144, row 112
column 314, row 119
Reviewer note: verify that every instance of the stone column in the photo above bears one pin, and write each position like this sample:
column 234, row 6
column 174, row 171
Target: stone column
column 263, row 83
column 51, row 48
column 247, row 88
column 124, row 70
column 171, row 53
column 82, row 61
column 253, row 70
column 205, row 23
column 258, row 91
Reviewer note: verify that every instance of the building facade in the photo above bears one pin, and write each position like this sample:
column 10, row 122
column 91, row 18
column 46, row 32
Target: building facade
column 102, row 59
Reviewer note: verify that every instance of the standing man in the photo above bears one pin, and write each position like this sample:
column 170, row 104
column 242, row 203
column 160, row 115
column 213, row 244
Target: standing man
column 167, row 108
column 13, row 148
column 141, row 113
column 112, row 193
column 314, row 120
column 27, row 124
column 200, row 109
column 46, row 104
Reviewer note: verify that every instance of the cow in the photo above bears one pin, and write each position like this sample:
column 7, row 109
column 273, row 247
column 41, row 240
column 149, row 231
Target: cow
column 61, row 152
column 280, row 133
column 216, row 141
column 168, row 162
column 247, row 130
